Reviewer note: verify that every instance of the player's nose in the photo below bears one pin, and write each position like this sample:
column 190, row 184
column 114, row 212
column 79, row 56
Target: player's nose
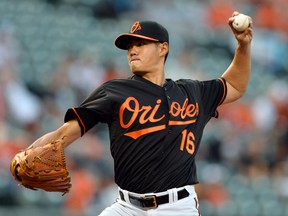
column 132, row 50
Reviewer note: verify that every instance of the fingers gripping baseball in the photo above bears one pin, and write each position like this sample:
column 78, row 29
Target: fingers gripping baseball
column 43, row 167
column 241, row 26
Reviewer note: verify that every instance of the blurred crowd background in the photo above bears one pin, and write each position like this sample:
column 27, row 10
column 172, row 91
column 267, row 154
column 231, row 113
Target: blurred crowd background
column 53, row 53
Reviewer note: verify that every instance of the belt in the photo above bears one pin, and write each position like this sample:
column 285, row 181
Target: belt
column 152, row 201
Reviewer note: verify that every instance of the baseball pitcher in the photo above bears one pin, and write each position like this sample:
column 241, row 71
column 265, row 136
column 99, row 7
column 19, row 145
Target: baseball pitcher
column 155, row 127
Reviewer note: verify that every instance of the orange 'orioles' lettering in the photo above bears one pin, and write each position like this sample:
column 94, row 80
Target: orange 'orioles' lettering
column 144, row 116
column 150, row 118
column 187, row 112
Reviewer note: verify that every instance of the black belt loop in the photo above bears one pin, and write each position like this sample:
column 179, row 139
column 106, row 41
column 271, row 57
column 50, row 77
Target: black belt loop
column 152, row 201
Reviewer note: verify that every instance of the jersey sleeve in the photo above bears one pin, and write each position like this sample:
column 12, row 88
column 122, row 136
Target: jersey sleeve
column 213, row 94
column 94, row 109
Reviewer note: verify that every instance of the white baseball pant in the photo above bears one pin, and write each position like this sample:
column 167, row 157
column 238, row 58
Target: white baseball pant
column 187, row 206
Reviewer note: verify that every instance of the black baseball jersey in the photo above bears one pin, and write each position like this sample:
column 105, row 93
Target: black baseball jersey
column 154, row 131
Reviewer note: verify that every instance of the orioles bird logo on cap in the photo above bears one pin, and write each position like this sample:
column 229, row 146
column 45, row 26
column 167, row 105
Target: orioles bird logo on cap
column 135, row 27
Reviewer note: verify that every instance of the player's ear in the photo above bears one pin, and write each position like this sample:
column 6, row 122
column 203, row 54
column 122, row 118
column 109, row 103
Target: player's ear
column 164, row 48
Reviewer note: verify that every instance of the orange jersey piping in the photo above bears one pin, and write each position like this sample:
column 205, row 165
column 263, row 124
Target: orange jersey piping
column 80, row 120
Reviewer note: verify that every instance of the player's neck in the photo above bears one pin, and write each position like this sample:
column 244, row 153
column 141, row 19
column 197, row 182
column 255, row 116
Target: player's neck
column 158, row 79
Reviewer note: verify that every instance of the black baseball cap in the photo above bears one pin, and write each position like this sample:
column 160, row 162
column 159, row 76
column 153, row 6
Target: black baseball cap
column 148, row 30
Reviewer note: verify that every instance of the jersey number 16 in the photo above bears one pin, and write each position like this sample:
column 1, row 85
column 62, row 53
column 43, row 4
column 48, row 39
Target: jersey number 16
column 188, row 142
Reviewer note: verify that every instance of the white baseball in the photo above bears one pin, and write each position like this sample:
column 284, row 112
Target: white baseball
column 241, row 22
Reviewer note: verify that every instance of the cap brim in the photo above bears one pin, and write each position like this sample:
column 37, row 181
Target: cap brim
column 124, row 39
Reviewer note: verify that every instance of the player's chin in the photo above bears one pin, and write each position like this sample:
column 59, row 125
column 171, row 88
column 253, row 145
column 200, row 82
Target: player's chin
column 139, row 73
column 135, row 70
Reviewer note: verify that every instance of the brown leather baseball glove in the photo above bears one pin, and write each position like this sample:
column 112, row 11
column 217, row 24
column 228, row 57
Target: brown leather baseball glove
column 42, row 167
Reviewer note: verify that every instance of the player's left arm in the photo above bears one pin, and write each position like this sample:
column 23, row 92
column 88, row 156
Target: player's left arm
column 238, row 73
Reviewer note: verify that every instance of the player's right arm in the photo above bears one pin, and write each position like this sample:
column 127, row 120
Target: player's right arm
column 70, row 131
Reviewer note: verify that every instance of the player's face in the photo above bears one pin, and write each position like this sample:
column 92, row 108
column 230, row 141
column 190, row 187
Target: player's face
column 144, row 56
